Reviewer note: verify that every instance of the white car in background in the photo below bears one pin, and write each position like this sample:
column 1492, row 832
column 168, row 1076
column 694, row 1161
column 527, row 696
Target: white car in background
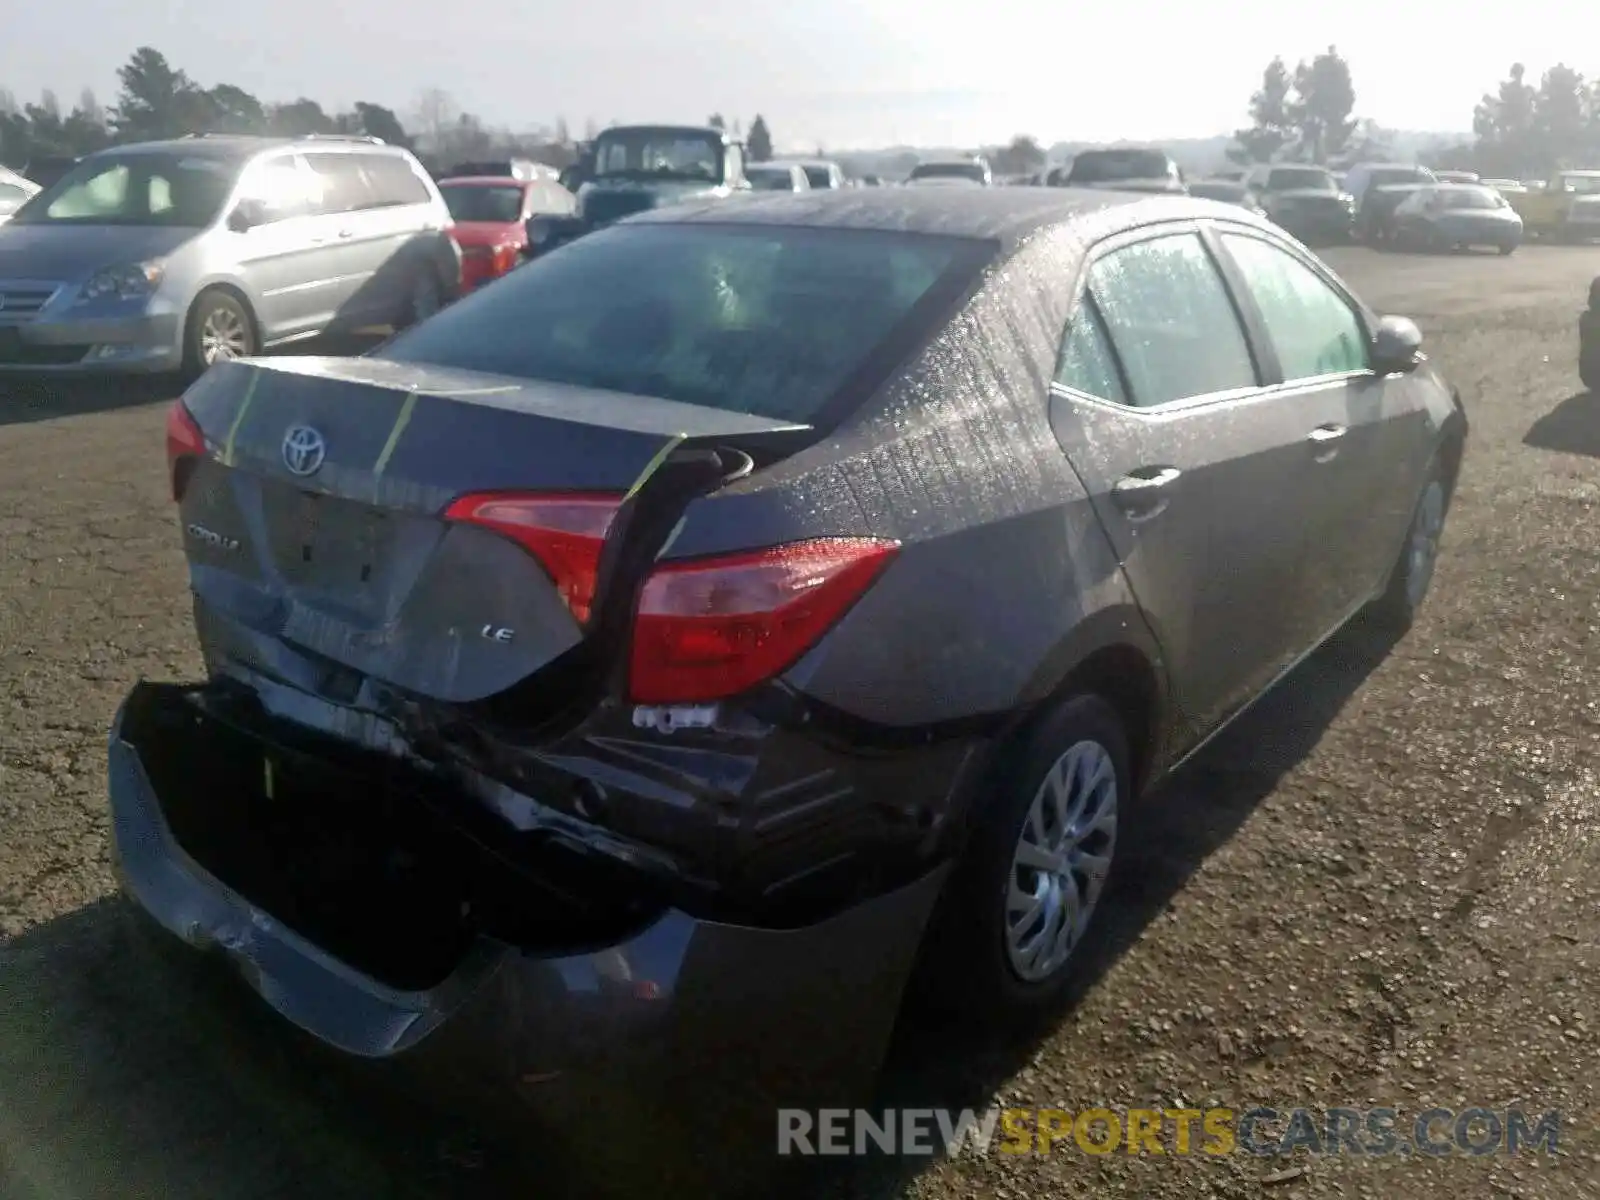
column 15, row 191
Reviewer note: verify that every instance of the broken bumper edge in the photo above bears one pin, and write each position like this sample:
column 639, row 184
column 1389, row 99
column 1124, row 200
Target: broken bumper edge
column 763, row 1018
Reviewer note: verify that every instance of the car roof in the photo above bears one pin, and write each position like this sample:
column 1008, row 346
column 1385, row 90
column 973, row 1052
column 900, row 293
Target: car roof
column 1004, row 214
column 489, row 180
column 238, row 146
column 803, row 162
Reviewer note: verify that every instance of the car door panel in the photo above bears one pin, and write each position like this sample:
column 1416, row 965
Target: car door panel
column 348, row 256
column 1187, row 462
column 284, row 260
column 1364, row 432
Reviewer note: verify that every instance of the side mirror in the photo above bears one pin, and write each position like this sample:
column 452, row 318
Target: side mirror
column 1396, row 346
column 246, row 215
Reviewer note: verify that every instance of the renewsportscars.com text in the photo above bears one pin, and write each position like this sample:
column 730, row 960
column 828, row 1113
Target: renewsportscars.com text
column 1377, row 1132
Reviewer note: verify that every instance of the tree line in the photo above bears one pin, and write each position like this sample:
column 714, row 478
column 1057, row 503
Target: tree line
column 157, row 100
column 1521, row 129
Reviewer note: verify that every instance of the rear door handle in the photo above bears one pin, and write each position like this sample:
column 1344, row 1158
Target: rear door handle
column 1143, row 493
column 1324, row 440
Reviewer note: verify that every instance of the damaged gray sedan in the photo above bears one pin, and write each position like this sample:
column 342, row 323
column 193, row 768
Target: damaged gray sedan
column 640, row 669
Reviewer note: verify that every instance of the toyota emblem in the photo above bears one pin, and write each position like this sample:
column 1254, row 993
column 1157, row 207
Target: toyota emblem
column 303, row 450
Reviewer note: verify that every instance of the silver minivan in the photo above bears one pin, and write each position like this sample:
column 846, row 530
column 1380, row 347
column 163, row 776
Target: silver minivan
column 179, row 254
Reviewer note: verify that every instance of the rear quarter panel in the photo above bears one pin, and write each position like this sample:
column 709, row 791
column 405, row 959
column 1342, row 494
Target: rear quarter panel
column 1005, row 579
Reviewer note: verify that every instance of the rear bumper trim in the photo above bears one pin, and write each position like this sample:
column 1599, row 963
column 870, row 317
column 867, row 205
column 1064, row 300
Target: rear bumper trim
column 683, row 998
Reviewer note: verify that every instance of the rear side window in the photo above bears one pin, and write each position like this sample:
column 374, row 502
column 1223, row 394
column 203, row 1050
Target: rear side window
column 281, row 185
column 819, row 177
column 1171, row 320
column 344, row 186
column 764, row 320
column 1314, row 331
column 392, row 182
column 1087, row 364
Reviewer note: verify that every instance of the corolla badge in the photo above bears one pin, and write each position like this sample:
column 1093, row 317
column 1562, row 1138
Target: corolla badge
column 303, row 450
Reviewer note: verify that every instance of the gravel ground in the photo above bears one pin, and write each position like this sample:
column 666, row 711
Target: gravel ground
column 1380, row 890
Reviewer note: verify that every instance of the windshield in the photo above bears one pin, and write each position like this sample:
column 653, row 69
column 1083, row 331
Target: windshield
column 1471, row 197
column 970, row 171
column 1218, row 190
column 658, row 154
column 764, row 320
column 1583, row 185
column 1283, row 179
column 135, row 189
column 478, row 202
column 1108, row 166
column 770, row 179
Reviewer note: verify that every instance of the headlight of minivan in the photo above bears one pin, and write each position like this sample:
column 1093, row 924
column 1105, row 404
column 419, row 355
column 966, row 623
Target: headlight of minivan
column 134, row 281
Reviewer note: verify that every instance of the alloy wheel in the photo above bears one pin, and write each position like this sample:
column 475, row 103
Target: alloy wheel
column 1061, row 861
column 1422, row 551
column 223, row 336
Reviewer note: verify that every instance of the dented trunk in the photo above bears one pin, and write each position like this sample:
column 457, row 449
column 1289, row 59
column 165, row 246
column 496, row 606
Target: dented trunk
column 358, row 521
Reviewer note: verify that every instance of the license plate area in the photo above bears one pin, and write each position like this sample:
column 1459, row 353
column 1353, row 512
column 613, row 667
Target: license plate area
column 336, row 547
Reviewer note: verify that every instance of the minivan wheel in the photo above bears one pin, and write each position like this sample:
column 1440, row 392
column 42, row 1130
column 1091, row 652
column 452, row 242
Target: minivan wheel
column 1412, row 576
column 1037, row 865
column 219, row 329
column 424, row 298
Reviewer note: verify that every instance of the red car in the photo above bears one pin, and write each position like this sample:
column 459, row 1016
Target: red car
column 491, row 214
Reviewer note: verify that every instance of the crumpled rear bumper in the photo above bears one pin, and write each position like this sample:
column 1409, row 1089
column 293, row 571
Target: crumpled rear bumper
column 759, row 1018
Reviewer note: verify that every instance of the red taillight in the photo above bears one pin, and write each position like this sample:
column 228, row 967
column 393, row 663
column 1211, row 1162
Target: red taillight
column 713, row 628
column 565, row 532
column 185, row 444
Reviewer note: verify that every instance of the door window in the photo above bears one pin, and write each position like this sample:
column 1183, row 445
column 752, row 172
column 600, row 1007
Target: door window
column 1086, row 363
column 344, row 188
column 392, row 181
column 1312, row 327
column 1171, row 320
column 281, row 186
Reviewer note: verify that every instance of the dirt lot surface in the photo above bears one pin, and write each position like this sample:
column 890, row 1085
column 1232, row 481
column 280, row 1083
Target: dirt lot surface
column 1381, row 890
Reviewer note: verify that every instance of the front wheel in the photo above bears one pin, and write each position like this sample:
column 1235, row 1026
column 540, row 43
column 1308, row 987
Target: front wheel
column 219, row 329
column 1507, row 248
column 1412, row 574
column 1037, row 865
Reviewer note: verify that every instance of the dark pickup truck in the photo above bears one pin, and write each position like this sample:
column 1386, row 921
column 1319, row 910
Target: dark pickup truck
column 632, row 168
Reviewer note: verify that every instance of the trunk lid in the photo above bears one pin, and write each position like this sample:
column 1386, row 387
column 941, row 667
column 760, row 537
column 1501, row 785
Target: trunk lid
column 318, row 549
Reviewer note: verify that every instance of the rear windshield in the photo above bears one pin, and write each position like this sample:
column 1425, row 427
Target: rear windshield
column 1108, row 166
column 136, row 189
column 770, row 179
column 970, row 171
column 1391, row 176
column 480, row 202
column 1471, row 197
column 755, row 319
column 1283, row 179
column 1218, row 190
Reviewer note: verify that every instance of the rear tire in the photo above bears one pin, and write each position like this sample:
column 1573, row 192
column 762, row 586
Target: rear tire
column 1041, row 854
column 219, row 328
column 1506, row 251
column 424, row 297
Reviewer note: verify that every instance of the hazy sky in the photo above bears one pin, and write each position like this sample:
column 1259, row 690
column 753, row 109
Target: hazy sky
column 843, row 73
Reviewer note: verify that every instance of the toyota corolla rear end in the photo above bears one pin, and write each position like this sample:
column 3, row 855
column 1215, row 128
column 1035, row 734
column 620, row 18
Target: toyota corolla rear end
column 500, row 761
